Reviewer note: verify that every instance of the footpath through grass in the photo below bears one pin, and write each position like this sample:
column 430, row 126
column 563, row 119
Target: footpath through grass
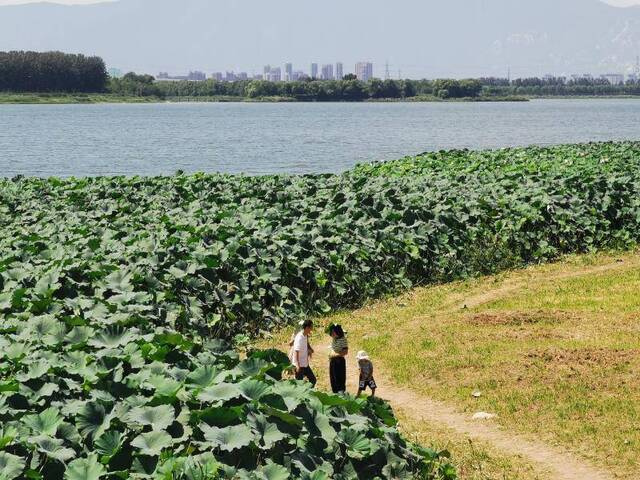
column 554, row 351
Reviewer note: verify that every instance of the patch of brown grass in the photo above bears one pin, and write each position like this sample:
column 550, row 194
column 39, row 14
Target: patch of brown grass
column 518, row 318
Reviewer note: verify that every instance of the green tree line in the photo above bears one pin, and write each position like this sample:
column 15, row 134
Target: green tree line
column 348, row 89
column 51, row 72
column 351, row 89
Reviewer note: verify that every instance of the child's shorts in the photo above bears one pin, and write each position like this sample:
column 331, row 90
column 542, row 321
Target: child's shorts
column 371, row 383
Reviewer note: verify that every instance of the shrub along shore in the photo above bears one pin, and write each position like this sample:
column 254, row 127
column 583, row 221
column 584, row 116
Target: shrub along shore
column 117, row 292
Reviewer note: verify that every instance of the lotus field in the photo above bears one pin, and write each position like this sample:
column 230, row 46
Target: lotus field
column 117, row 297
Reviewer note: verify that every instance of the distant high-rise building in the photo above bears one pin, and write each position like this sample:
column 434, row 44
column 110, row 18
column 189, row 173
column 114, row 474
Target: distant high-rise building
column 242, row 76
column 327, row 72
column 266, row 72
column 197, row 76
column 614, row 78
column 364, row 71
column 314, row 70
column 339, row 71
column 217, row 76
column 275, row 74
column 288, row 72
column 299, row 75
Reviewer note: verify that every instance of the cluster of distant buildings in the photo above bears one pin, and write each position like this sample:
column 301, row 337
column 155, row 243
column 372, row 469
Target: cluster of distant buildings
column 611, row 78
column 363, row 71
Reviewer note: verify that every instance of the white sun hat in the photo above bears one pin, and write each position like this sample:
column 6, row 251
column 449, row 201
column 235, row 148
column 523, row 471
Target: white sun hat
column 362, row 355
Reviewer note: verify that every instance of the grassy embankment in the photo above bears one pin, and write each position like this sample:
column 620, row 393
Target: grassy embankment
column 86, row 98
column 554, row 351
column 95, row 98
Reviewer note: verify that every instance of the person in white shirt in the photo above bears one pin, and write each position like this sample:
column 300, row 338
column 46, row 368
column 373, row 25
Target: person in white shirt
column 301, row 352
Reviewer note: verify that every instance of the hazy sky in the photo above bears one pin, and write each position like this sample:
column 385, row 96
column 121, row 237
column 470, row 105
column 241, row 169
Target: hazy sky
column 69, row 2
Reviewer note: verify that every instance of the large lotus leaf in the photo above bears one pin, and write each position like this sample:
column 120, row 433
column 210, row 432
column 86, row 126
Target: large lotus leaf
column 266, row 432
column 11, row 466
column 229, row 438
column 39, row 396
column 35, row 371
column 6, row 301
column 254, row 389
column 69, row 433
column 317, row 475
column 44, row 423
column 308, row 464
column 272, row 471
column 39, row 327
column 164, row 387
column 85, row 469
column 286, row 417
column 220, row 393
column 357, row 444
column 322, row 423
column 47, row 284
column 351, row 405
column 203, row 377
column 78, row 363
column 109, row 444
column 159, row 418
column 8, row 434
column 277, row 357
column 397, row 470
column 252, row 367
column 15, row 351
column 292, row 393
column 79, row 335
column 113, row 337
column 217, row 416
column 93, row 420
column 53, row 448
column 119, row 281
column 201, row 467
column 152, row 443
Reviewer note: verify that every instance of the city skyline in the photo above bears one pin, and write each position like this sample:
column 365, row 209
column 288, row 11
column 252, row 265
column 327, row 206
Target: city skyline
column 325, row 71
column 517, row 36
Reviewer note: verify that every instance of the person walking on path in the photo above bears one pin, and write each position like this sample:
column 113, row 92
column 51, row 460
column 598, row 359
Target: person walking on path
column 337, row 359
column 301, row 352
column 366, row 374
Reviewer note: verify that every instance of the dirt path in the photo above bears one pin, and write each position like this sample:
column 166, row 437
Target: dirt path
column 558, row 462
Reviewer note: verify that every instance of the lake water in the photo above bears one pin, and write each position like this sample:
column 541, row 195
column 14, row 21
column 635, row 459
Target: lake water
column 150, row 139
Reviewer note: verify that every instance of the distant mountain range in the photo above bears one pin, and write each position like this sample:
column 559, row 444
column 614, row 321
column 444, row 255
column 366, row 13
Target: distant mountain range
column 423, row 38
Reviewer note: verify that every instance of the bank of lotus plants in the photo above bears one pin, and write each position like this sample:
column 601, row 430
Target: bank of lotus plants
column 88, row 398
column 115, row 294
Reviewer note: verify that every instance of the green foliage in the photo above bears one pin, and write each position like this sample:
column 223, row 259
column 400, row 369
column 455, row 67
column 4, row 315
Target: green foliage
column 51, row 72
column 112, row 291
column 227, row 255
column 222, row 417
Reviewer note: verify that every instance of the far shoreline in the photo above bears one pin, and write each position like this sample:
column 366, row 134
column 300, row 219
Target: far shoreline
column 106, row 99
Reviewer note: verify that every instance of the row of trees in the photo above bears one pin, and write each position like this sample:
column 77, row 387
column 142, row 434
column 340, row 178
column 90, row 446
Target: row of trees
column 51, row 72
column 351, row 89
column 348, row 89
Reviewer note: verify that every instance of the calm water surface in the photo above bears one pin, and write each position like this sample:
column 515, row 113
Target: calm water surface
column 151, row 139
